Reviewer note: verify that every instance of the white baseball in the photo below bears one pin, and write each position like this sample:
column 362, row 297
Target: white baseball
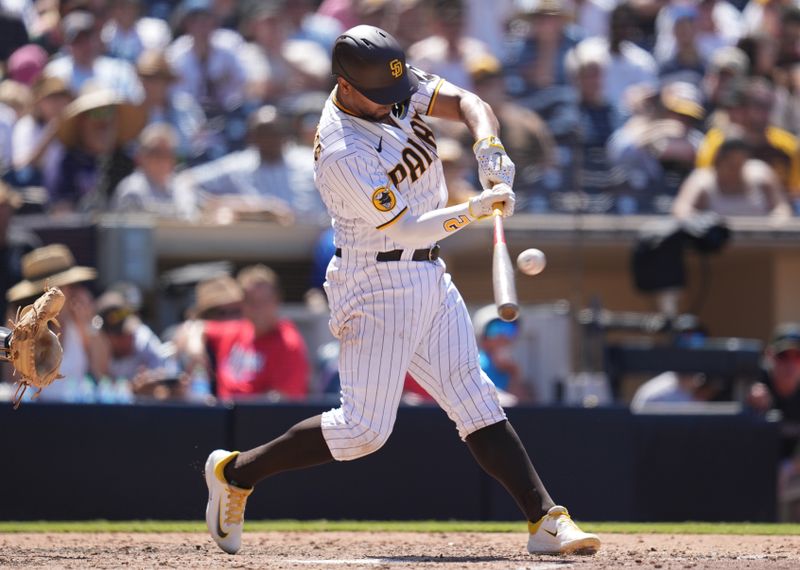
column 531, row 261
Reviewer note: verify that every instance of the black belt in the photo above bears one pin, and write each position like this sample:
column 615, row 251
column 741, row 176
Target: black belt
column 431, row 254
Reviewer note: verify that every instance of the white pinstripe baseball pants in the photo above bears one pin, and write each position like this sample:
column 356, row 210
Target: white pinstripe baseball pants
column 393, row 317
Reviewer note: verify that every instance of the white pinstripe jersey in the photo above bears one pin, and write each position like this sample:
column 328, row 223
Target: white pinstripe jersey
column 370, row 174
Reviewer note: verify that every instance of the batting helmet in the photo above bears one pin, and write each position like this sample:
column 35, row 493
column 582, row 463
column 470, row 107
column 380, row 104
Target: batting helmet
column 372, row 61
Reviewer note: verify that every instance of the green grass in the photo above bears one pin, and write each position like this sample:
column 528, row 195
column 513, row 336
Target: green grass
column 398, row 526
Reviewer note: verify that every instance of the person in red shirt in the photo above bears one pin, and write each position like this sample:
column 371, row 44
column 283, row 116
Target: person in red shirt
column 260, row 354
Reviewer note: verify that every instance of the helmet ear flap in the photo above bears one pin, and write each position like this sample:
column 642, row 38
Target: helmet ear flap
column 400, row 110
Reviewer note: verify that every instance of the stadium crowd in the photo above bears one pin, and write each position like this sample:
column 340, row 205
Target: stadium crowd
column 205, row 111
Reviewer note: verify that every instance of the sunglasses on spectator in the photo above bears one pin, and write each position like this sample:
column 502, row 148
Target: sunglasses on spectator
column 223, row 313
column 498, row 328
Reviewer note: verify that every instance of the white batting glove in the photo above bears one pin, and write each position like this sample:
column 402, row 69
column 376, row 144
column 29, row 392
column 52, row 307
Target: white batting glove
column 494, row 165
column 482, row 205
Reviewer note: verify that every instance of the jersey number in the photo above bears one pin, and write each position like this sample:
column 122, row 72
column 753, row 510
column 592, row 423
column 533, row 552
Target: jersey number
column 453, row 224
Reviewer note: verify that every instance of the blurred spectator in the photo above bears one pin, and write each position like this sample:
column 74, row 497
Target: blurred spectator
column 383, row 14
column 736, row 185
column 685, row 63
column 151, row 187
column 598, row 177
column 93, row 129
column 175, row 108
column 409, row 22
column 127, row 33
column 657, row 148
column 342, row 11
column 788, row 51
column 13, row 245
column 37, row 154
column 15, row 95
column 593, row 16
column 276, row 63
column 26, row 64
column 718, row 24
column 762, row 51
column 303, row 112
column 537, row 49
column 13, row 33
column 218, row 299
column 763, row 16
column 83, row 61
column 260, row 355
column 266, row 178
column 14, row 100
column 726, row 69
column 627, row 64
column 674, row 388
column 137, row 354
column 305, row 23
column 206, row 60
column 488, row 22
column 525, row 135
column 773, row 145
column 496, row 340
column 536, row 78
column 454, row 167
column 85, row 350
column 779, row 389
column 447, row 52
column 265, row 67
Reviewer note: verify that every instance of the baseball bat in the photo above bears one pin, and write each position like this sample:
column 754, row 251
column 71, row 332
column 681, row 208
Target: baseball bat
column 505, row 292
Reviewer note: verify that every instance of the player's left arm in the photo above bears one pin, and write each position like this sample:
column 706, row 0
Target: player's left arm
column 457, row 104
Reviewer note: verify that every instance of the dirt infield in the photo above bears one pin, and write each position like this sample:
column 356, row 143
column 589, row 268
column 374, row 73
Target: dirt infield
column 400, row 550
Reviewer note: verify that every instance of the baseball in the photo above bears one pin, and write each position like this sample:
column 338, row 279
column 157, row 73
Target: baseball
column 531, row 261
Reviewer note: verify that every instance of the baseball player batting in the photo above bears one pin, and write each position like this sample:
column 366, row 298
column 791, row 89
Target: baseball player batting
column 393, row 306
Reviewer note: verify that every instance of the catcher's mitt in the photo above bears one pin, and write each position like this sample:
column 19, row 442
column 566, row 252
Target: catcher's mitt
column 33, row 349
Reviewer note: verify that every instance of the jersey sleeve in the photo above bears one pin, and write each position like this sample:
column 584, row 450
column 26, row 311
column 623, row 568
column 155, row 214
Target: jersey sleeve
column 360, row 181
column 425, row 97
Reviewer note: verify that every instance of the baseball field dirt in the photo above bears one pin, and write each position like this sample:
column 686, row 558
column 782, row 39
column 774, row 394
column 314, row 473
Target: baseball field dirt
column 389, row 550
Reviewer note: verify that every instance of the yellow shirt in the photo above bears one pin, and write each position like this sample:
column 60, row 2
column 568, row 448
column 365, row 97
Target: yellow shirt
column 781, row 153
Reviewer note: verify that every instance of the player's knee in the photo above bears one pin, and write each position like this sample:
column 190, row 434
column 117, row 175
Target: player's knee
column 370, row 440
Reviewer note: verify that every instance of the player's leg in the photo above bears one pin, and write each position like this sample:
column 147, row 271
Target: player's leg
column 378, row 323
column 446, row 365
column 393, row 308
column 303, row 445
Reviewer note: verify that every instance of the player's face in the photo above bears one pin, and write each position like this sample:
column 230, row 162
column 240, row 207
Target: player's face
column 360, row 105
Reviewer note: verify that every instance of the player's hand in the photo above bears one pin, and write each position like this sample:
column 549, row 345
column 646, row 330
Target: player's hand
column 494, row 165
column 481, row 205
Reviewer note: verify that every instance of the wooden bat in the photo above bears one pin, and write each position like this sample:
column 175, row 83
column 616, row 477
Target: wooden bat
column 505, row 292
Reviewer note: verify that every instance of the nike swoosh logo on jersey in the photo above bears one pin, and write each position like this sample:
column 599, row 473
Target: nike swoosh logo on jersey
column 553, row 534
column 380, row 145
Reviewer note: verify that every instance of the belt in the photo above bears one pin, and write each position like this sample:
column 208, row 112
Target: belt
column 431, row 254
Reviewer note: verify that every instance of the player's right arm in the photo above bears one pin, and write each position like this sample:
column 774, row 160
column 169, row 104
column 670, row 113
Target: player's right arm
column 358, row 180
column 428, row 228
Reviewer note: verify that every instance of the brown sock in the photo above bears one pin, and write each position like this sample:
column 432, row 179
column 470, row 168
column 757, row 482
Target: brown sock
column 498, row 449
column 302, row 446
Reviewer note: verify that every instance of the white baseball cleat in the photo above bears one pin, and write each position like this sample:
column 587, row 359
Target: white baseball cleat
column 556, row 533
column 225, row 509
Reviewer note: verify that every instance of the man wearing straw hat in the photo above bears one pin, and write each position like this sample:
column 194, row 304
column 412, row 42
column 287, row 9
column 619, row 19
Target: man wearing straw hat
column 94, row 128
column 85, row 351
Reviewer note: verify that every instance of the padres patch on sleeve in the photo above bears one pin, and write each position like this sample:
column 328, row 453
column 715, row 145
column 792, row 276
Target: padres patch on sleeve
column 383, row 199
